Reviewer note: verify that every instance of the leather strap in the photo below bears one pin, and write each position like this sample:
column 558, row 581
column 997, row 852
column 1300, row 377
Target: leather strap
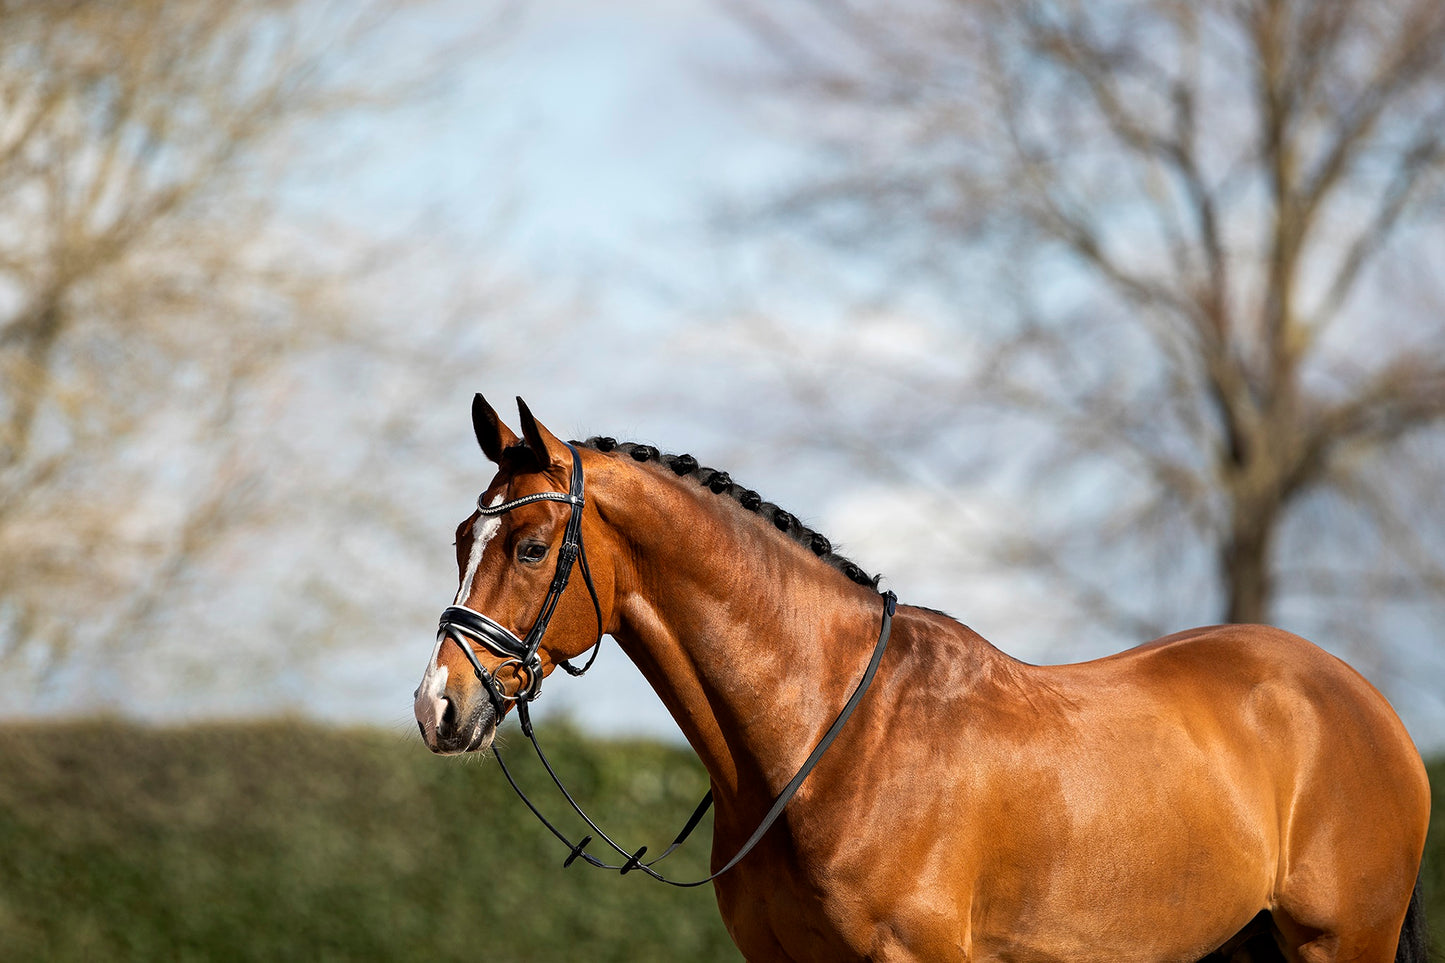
column 634, row 859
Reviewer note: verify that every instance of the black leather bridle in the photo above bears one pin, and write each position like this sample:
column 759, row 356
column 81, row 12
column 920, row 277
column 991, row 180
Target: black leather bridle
column 458, row 620
column 469, row 624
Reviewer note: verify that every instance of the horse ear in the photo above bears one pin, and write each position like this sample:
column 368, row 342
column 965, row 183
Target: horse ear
column 492, row 435
column 546, row 446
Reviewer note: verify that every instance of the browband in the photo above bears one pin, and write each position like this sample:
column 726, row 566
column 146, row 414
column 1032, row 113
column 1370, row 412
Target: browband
column 484, row 509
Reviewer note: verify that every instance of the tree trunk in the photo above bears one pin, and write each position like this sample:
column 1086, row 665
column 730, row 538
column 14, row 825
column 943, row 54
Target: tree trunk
column 1244, row 564
column 37, row 334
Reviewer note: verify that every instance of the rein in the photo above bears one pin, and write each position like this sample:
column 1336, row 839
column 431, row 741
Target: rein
column 458, row 620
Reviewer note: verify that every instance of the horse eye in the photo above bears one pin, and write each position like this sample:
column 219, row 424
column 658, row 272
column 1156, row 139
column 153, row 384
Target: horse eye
column 531, row 551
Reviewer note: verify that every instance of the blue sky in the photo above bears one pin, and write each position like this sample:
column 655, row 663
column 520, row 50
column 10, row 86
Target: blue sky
column 596, row 136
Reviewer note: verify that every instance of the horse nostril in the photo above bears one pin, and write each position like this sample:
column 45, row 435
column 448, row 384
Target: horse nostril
column 449, row 716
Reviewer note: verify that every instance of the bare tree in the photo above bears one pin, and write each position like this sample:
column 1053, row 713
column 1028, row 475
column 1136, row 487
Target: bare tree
column 155, row 298
column 1189, row 252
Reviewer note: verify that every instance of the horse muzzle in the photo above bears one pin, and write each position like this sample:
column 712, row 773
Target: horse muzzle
column 453, row 723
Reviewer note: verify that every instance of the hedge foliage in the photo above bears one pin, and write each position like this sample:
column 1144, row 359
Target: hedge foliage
column 287, row 840
column 290, row 841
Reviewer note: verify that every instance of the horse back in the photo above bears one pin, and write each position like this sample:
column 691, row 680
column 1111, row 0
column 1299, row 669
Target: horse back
column 1259, row 688
column 1253, row 704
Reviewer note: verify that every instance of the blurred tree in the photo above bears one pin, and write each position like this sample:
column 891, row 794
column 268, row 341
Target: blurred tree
column 151, row 284
column 1187, row 257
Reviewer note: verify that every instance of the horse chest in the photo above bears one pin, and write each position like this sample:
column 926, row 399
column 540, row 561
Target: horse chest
column 784, row 907
column 773, row 915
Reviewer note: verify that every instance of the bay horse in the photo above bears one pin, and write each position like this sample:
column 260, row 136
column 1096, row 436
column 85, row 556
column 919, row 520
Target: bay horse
column 1231, row 793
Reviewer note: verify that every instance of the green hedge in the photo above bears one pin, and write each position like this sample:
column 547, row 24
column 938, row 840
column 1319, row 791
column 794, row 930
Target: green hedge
column 287, row 840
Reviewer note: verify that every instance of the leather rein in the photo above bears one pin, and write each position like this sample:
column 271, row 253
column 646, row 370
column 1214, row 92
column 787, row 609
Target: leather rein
column 468, row 625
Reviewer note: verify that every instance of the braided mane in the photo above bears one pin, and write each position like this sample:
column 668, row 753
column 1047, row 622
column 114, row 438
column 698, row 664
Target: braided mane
column 720, row 483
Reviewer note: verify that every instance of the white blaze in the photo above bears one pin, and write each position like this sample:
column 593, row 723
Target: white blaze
column 430, row 702
column 485, row 529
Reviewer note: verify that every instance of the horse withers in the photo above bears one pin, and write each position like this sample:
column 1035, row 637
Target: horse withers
column 1227, row 793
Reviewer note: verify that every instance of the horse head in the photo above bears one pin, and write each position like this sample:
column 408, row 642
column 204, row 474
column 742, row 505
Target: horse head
column 517, row 614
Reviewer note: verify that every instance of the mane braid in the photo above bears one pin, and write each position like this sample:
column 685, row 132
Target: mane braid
column 721, row 483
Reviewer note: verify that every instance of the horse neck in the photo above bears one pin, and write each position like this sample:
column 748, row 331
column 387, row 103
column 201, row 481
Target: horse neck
column 752, row 643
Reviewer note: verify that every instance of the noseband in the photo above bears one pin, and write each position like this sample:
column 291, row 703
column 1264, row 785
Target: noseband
column 469, row 624
column 463, row 623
